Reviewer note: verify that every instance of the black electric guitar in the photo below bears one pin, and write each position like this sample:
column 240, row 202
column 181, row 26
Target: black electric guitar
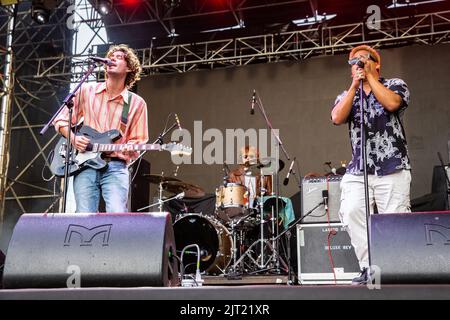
column 102, row 142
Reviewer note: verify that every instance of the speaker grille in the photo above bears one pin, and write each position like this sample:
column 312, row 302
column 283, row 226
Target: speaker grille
column 312, row 196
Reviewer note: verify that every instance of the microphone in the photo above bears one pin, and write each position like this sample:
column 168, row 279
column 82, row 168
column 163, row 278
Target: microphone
column 178, row 121
column 325, row 199
column 356, row 61
column 106, row 61
column 286, row 180
column 252, row 110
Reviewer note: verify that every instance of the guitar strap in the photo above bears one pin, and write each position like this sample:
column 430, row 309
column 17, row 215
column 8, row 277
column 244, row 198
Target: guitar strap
column 124, row 117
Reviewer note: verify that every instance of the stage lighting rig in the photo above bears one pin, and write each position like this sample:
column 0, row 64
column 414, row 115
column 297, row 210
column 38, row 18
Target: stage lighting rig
column 172, row 3
column 41, row 10
column 104, row 7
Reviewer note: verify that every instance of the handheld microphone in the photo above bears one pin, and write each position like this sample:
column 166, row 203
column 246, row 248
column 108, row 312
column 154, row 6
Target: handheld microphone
column 178, row 121
column 325, row 199
column 286, row 180
column 106, row 61
column 252, row 110
column 356, row 61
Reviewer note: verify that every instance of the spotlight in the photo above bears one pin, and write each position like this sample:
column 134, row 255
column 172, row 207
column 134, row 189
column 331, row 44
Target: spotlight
column 104, row 7
column 172, row 3
column 39, row 14
column 41, row 9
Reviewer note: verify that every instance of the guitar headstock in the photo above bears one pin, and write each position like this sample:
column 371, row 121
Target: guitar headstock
column 177, row 149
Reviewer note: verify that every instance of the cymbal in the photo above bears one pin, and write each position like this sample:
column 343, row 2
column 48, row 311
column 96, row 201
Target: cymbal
column 157, row 178
column 269, row 165
column 190, row 190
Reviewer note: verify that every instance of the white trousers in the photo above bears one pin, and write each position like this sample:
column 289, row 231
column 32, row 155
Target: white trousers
column 390, row 193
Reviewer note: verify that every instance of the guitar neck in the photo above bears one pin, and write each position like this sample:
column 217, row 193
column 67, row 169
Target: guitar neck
column 120, row 147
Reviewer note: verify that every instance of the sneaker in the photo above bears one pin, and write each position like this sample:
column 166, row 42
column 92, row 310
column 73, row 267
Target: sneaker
column 362, row 278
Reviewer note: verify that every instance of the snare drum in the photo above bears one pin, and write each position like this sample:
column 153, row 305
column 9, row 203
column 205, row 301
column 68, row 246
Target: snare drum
column 210, row 235
column 231, row 201
column 232, row 195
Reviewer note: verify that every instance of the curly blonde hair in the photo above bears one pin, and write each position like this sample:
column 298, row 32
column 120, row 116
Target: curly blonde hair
column 132, row 62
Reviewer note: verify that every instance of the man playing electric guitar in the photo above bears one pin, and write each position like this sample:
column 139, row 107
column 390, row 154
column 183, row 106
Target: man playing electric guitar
column 106, row 106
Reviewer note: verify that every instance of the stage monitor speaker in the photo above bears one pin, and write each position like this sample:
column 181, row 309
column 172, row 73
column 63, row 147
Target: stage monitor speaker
column 312, row 195
column 314, row 265
column 411, row 248
column 91, row 250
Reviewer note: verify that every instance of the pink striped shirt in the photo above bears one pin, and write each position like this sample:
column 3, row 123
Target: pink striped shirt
column 103, row 114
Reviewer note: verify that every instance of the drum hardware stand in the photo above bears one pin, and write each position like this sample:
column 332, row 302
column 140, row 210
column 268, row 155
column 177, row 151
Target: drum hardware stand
column 260, row 262
column 233, row 274
column 279, row 144
column 160, row 201
column 160, row 141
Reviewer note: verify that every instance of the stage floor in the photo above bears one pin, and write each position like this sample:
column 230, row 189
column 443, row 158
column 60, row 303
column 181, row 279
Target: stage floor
column 233, row 293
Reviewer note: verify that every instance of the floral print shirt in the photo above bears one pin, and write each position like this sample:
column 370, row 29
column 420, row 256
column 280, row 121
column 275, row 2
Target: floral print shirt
column 387, row 151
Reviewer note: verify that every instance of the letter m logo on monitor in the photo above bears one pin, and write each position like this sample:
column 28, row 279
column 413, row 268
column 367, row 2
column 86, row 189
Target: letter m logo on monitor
column 84, row 237
column 442, row 231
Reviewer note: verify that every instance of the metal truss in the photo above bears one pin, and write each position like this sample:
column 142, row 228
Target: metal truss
column 426, row 29
column 40, row 76
column 157, row 12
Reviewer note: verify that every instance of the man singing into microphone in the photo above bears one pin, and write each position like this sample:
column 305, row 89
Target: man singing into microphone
column 388, row 165
column 105, row 106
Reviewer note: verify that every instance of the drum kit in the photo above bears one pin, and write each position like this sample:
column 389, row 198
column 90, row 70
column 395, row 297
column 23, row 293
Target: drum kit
column 237, row 239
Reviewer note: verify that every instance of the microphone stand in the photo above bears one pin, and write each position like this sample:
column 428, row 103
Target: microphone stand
column 68, row 102
column 446, row 181
column 288, row 232
column 363, row 165
column 158, row 140
column 277, row 162
column 160, row 202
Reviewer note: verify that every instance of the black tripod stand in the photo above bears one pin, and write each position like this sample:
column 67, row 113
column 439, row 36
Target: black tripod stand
column 446, row 181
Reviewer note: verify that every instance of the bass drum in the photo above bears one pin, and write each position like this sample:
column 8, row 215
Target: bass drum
column 210, row 235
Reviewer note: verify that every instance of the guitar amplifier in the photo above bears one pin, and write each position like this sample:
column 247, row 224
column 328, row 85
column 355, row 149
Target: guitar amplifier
column 313, row 254
column 312, row 196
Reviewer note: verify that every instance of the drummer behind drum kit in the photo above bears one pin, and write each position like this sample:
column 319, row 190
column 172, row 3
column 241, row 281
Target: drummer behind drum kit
column 227, row 239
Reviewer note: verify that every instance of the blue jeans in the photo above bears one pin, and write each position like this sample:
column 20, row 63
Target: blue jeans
column 111, row 182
